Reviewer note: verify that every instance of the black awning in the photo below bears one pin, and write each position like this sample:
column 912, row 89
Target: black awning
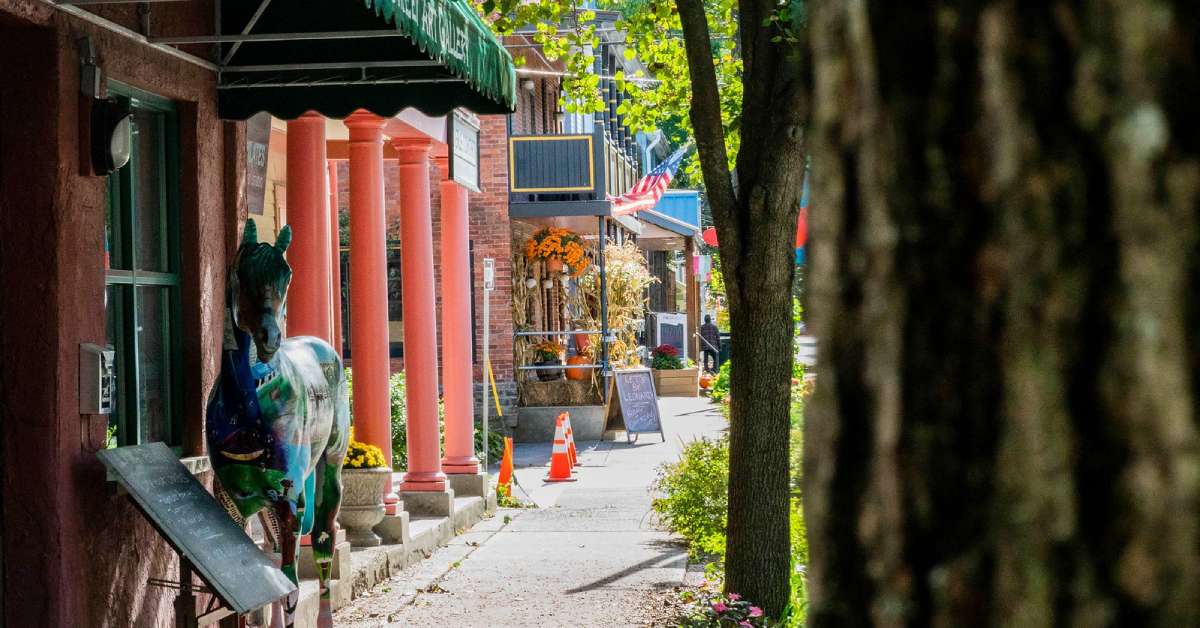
column 288, row 57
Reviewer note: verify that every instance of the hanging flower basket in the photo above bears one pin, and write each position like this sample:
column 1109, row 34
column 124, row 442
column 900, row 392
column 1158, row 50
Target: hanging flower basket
column 559, row 248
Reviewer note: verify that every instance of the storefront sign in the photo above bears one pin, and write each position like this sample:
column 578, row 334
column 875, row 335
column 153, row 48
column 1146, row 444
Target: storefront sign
column 258, row 138
column 199, row 529
column 633, row 403
column 463, row 136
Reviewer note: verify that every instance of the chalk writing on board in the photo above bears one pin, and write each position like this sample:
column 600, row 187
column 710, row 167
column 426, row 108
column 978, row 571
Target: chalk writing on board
column 636, row 401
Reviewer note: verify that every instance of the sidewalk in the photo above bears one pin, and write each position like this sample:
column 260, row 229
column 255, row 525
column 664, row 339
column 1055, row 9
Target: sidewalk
column 588, row 555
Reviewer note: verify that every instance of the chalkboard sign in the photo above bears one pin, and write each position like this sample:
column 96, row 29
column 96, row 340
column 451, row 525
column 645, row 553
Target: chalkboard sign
column 634, row 403
column 192, row 521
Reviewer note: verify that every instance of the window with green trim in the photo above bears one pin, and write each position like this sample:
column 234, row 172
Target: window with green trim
column 141, row 297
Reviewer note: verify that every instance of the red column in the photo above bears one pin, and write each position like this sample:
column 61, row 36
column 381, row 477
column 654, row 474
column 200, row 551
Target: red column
column 335, row 260
column 368, row 284
column 420, row 322
column 456, row 330
column 308, row 297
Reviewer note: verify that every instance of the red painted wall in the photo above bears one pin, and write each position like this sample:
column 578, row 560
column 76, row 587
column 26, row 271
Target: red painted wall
column 75, row 553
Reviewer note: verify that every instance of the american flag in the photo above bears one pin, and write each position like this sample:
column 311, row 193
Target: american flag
column 646, row 193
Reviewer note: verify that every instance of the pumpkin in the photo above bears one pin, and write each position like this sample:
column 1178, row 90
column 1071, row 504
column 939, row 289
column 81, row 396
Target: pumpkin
column 578, row 374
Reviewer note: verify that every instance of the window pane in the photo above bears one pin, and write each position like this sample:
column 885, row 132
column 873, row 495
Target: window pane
column 154, row 364
column 113, row 249
column 148, row 190
column 114, row 309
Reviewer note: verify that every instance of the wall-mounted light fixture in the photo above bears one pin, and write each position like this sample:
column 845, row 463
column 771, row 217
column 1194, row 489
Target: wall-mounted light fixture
column 111, row 120
column 528, row 85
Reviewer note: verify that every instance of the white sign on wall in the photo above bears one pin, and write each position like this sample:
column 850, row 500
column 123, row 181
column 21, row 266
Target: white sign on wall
column 463, row 137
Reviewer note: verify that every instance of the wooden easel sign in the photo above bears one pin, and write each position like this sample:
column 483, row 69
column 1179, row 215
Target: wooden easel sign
column 239, row 575
column 633, row 404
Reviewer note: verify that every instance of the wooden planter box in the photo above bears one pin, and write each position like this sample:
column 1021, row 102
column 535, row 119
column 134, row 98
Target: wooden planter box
column 677, row 382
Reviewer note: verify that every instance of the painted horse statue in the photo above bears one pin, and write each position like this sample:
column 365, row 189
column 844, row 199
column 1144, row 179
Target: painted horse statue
column 278, row 427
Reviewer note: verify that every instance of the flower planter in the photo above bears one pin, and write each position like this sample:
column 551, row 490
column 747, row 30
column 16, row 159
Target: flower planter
column 578, row 374
column 549, row 375
column 677, row 382
column 362, row 503
column 554, row 265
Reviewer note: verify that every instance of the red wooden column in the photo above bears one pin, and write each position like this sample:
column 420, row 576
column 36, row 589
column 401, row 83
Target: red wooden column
column 420, row 318
column 308, row 203
column 457, row 335
column 368, row 284
column 335, row 260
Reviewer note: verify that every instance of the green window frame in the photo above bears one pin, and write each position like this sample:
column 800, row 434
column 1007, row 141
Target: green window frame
column 142, row 275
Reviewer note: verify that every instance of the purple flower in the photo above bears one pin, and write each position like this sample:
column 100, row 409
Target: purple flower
column 745, row 624
column 719, row 607
column 733, row 597
column 755, row 611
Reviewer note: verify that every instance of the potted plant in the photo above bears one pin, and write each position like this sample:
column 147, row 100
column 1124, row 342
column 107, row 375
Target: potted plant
column 558, row 248
column 672, row 377
column 583, row 356
column 365, row 480
column 548, row 353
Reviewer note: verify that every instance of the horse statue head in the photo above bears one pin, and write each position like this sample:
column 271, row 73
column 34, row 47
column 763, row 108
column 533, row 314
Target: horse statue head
column 258, row 284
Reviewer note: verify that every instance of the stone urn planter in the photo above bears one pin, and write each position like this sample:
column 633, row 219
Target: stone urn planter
column 362, row 503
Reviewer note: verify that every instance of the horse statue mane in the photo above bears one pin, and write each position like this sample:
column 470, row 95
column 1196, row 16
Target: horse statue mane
column 278, row 429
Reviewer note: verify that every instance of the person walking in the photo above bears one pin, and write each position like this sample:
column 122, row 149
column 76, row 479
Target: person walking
column 710, row 338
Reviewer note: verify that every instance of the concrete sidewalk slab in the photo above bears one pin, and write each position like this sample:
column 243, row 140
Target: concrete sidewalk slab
column 587, row 556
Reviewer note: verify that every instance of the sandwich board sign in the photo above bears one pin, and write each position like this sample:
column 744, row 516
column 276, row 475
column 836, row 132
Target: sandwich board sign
column 633, row 404
column 196, row 526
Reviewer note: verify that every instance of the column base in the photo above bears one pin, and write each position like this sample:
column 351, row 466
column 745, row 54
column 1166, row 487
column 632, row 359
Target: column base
column 417, row 481
column 468, row 484
column 391, row 503
column 394, row 528
column 428, row 503
column 460, row 464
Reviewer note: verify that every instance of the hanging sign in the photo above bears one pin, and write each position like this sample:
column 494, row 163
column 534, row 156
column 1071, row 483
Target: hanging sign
column 258, row 138
column 633, row 404
column 192, row 521
column 462, row 135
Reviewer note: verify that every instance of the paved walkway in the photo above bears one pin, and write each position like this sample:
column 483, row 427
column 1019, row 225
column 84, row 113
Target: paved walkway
column 588, row 555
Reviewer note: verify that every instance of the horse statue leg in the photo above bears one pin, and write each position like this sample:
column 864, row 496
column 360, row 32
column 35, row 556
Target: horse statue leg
column 324, row 533
column 287, row 530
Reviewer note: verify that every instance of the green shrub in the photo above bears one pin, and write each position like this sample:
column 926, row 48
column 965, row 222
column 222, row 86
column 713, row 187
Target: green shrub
column 398, row 399
column 495, row 445
column 399, row 402
column 720, row 388
column 696, row 495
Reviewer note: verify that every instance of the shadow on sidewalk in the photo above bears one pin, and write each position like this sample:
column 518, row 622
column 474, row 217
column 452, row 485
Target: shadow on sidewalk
column 671, row 551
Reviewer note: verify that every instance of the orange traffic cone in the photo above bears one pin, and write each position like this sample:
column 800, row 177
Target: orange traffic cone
column 504, row 483
column 572, row 453
column 560, row 463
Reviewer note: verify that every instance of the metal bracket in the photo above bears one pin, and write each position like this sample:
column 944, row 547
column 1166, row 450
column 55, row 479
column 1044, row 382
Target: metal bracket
column 89, row 72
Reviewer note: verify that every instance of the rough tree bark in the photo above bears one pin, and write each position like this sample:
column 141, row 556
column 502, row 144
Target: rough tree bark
column 756, row 222
column 1006, row 287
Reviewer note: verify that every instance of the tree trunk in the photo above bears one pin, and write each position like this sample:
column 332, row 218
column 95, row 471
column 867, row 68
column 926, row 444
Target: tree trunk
column 1005, row 283
column 756, row 225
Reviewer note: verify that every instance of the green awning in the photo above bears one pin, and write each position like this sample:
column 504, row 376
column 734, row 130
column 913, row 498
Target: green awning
column 337, row 56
